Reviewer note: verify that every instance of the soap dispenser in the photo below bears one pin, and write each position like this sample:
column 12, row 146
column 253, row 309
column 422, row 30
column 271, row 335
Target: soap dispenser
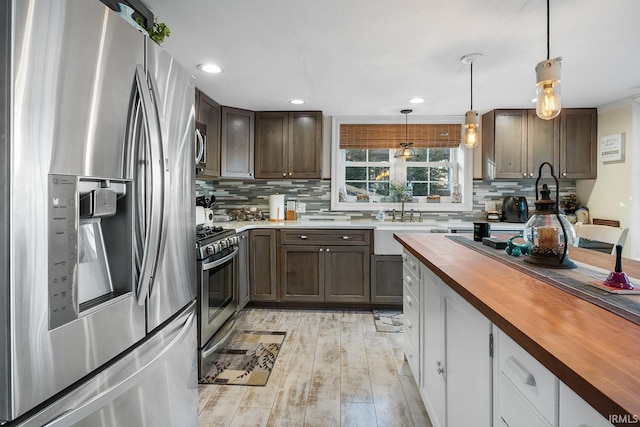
column 381, row 216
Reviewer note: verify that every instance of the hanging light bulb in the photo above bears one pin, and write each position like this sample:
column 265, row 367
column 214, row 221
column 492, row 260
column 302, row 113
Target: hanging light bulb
column 548, row 102
column 406, row 150
column 471, row 126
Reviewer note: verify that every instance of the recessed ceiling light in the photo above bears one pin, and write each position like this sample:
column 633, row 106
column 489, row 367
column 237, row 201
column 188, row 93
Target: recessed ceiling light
column 210, row 68
column 297, row 101
column 416, row 100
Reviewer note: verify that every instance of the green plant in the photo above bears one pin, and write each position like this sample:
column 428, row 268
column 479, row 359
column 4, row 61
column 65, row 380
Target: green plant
column 158, row 31
column 397, row 187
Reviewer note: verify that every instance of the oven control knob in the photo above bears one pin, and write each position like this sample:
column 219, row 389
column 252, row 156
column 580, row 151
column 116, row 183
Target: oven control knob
column 223, row 244
column 233, row 240
column 210, row 250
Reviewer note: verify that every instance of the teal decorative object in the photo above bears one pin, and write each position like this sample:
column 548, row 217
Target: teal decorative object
column 517, row 249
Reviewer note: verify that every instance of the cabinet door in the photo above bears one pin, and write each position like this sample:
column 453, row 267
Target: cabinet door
column 243, row 270
column 305, row 145
column 510, row 140
column 302, row 273
column 237, row 143
column 468, row 370
column 578, row 143
column 272, row 135
column 433, row 362
column 208, row 112
column 575, row 412
column 543, row 144
column 386, row 279
column 346, row 273
column 262, row 265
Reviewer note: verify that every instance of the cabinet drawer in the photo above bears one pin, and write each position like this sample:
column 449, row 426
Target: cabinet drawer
column 575, row 412
column 411, row 263
column 515, row 410
column 537, row 384
column 413, row 358
column 325, row 237
column 411, row 324
column 410, row 283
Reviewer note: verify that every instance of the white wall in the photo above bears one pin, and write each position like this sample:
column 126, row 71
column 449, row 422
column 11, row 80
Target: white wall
column 610, row 196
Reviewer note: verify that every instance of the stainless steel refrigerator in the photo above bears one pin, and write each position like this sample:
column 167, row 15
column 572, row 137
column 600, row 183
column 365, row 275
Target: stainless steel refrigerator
column 97, row 259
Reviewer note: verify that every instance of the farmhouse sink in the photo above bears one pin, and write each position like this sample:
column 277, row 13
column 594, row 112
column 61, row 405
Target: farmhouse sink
column 385, row 244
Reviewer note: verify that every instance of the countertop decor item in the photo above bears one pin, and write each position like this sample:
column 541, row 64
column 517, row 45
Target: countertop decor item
column 549, row 233
column 618, row 278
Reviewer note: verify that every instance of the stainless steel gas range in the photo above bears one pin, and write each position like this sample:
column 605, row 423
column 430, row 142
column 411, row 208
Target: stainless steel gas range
column 216, row 254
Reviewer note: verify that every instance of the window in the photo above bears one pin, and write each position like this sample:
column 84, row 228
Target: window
column 366, row 178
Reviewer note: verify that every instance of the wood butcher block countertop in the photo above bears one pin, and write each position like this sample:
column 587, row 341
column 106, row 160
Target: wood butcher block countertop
column 593, row 351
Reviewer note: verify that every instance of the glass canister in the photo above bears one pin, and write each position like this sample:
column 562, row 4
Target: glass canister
column 548, row 232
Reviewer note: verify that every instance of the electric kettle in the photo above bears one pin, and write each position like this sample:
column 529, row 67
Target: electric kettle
column 515, row 209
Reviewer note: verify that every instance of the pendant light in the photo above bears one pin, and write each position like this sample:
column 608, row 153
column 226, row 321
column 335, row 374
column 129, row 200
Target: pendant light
column 406, row 150
column 471, row 126
column 548, row 103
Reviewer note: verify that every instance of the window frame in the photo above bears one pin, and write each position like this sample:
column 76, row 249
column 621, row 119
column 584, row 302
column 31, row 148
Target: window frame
column 464, row 160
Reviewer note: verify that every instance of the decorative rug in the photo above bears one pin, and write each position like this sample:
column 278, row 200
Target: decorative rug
column 577, row 282
column 387, row 320
column 246, row 359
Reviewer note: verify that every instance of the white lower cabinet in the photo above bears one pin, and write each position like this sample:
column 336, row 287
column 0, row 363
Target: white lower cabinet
column 575, row 412
column 456, row 363
column 447, row 346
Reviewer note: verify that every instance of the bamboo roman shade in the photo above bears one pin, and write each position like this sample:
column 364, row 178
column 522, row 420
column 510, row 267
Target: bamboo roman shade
column 389, row 136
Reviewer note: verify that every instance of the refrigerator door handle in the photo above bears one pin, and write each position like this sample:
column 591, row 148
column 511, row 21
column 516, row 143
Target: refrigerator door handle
column 163, row 182
column 154, row 217
column 102, row 399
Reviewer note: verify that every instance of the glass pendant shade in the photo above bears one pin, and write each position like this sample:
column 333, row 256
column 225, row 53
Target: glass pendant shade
column 406, row 150
column 548, row 101
column 548, row 233
column 471, row 129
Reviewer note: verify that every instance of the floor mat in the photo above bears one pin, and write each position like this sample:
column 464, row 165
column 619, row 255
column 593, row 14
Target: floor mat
column 246, row 359
column 388, row 320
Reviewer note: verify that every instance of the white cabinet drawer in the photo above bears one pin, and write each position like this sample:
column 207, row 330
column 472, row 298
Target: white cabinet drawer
column 535, row 382
column 412, row 355
column 575, row 412
column 515, row 410
column 411, row 263
column 410, row 281
column 411, row 325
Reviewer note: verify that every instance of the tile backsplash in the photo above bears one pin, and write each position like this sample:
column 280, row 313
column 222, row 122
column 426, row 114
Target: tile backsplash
column 236, row 194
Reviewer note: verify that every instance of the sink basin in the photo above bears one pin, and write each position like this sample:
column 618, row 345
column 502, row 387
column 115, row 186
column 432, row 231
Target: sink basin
column 385, row 244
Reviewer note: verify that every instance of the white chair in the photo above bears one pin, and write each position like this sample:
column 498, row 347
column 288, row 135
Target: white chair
column 600, row 233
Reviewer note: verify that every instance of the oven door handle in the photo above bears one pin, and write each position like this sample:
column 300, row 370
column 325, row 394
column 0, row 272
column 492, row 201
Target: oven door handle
column 219, row 262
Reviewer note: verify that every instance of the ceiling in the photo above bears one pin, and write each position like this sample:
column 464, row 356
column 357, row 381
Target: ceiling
column 368, row 57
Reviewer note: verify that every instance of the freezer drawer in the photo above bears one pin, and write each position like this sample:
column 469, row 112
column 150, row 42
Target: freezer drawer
column 153, row 385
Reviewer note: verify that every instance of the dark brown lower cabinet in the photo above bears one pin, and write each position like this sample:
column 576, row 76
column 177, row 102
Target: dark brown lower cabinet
column 244, row 293
column 325, row 265
column 302, row 273
column 346, row 277
column 262, row 265
column 386, row 279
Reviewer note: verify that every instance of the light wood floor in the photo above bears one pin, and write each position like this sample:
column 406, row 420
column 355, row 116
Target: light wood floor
column 334, row 369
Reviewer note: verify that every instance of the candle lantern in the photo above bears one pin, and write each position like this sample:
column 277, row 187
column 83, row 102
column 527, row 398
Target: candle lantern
column 548, row 232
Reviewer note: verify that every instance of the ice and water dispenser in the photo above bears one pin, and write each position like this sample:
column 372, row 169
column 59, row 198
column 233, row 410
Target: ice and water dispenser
column 90, row 245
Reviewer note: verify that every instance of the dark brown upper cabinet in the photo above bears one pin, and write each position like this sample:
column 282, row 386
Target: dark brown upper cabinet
column 237, row 143
column 208, row 112
column 516, row 142
column 288, row 145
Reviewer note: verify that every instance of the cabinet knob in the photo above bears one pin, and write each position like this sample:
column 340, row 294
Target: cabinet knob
column 524, row 175
column 530, row 174
column 284, row 174
column 250, row 173
column 346, row 237
column 564, row 174
column 320, row 249
column 439, row 369
column 327, row 249
column 290, row 174
column 303, row 237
